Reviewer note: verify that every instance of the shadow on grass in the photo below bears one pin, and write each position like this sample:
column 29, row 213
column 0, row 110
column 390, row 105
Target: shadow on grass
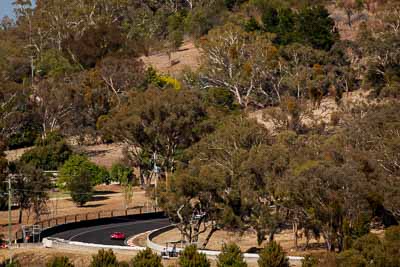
column 98, row 198
column 104, row 193
column 92, row 205
column 95, row 198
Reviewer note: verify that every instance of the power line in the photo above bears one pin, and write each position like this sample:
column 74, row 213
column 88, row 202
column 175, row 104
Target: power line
column 49, row 191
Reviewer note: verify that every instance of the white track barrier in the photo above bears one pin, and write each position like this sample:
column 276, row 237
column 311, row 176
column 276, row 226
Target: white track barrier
column 249, row 257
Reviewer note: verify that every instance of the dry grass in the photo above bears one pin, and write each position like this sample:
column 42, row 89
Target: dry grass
column 139, row 240
column 246, row 241
column 188, row 56
column 104, row 154
column 38, row 257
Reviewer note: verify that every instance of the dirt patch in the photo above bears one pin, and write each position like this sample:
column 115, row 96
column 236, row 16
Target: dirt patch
column 13, row 155
column 188, row 56
column 103, row 155
column 323, row 112
column 138, row 240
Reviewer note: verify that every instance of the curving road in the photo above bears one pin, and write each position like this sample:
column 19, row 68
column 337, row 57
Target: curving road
column 100, row 234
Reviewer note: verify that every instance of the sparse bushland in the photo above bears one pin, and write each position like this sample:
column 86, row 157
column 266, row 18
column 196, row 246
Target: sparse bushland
column 371, row 249
column 231, row 256
column 78, row 73
column 191, row 257
column 104, row 258
column 147, row 258
column 273, row 256
column 60, row 262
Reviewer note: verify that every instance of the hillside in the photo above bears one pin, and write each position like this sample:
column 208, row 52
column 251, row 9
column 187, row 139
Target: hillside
column 103, row 154
column 284, row 134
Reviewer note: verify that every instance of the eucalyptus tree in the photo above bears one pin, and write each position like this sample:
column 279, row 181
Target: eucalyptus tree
column 160, row 122
column 244, row 64
column 31, row 187
column 213, row 191
column 373, row 140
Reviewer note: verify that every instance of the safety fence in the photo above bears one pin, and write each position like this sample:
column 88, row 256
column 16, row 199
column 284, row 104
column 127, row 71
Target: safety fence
column 80, row 219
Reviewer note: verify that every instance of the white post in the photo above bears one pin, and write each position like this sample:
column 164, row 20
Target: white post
column 9, row 217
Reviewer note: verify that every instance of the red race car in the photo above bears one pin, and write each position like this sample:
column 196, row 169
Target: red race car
column 118, row 236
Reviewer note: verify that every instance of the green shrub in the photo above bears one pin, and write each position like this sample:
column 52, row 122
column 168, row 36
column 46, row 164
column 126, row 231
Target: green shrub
column 371, row 248
column 220, row 97
column 48, row 155
column 15, row 263
column 104, row 258
column 101, row 175
column 311, row 26
column 146, row 258
column 120, row 173
column 201, row 18
column 231, row 256
column 351, row 258
column 392, row 246
column 191, row 258
column 392, row 234
column 76, row 165
column 79, row 175
column 272, row 255
column 175, row 39
column 252, row 25
column 309, row 261
column 53, row 63
column 123, row 264
column 24, row 138
column 60, row 262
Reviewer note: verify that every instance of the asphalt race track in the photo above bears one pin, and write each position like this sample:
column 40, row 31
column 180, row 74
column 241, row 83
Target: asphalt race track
column 100, row 234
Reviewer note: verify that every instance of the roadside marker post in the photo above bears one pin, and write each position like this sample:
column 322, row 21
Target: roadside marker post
column 9, row 217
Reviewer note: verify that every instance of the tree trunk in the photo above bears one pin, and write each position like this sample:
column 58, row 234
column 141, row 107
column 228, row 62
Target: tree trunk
column 20, row 215
column 271, row 236
column 295, row 230
column 213, row 230
column 349, row 14
column 166, row 180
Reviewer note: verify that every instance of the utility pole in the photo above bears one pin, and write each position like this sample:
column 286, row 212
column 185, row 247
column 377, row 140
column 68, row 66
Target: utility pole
column 9, row 217
column 156, row 170
column 32, row 70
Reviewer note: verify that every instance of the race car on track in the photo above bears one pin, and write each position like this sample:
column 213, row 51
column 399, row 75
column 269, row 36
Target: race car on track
column 117, row 236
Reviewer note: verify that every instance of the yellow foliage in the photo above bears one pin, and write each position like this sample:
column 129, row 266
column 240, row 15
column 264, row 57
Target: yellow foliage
column 248, row 69
column 272, row 50
column 318, row 69
column 233, row 53
column 171, row 82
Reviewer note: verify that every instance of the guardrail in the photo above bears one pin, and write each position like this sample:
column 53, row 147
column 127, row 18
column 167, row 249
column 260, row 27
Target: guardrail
column 250, row 257
column 50, row 242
